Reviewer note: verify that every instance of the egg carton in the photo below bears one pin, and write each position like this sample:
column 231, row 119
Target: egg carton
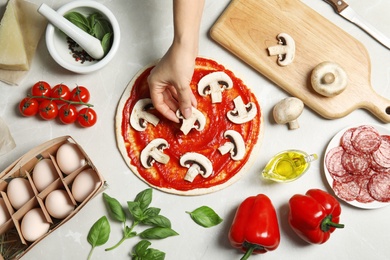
column 23, row 168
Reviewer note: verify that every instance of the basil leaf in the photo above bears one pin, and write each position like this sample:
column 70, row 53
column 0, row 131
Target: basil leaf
column 107, row 42
column 153, row 254
column 151, row 212
column 100, row 28
column 135, row 210
column 79, row 20
column 141, row 247
column 99, row 233
column 128, row 232
column 142, row 252
column 144, row 198
column 114, row 208
column 157, row 233
column 158, row 221
column 205, row 217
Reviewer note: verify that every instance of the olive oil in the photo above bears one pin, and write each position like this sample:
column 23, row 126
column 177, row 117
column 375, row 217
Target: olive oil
column 288, row 165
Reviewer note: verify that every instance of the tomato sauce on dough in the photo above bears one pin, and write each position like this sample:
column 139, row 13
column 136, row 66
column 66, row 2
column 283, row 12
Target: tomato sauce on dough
column 205, row 142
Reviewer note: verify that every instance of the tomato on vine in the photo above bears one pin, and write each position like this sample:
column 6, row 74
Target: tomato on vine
column 87, row 117
column 41, row 88
column 80, row 94
column 28, row 106
column 68, row 114
column 59, row 101
column 48, row 109
column 61, row 91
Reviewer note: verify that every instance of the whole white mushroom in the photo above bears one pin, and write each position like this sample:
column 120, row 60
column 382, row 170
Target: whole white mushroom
column 287, row 111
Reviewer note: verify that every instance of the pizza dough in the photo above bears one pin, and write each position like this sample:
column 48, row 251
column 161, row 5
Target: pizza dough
column 168, row 174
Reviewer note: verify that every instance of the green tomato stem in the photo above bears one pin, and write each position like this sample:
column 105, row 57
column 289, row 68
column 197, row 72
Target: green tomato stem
column 64, row 100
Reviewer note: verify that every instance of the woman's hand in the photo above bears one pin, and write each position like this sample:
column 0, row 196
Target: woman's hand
column 169, row 82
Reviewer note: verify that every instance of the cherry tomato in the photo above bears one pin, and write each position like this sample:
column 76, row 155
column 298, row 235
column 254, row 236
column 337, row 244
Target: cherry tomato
column 68, row 114
column 41, row 88
column 80, row 94
column 48, row 109
column 60, row 91
column 28, row 106
column 87, row 117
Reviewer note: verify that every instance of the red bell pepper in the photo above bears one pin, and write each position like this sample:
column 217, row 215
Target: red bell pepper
column 314, row 216
column 255, row 228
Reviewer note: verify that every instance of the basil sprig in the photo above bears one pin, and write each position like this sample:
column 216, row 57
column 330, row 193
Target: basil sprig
column 140, row 213
column 98, row 234
column 94, row 24
column 205, row 217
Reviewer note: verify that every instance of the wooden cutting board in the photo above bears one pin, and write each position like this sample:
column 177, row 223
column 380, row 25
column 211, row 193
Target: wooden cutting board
column 248, row 27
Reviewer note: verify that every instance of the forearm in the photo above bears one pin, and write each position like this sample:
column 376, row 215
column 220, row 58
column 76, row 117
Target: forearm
column 187, row 19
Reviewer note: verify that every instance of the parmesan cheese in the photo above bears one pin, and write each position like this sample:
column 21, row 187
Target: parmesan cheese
column 20, row 31
column 13, row 54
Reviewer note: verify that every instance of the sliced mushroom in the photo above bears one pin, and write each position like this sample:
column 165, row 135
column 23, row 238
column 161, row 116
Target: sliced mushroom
column 197, row 120
column 196, row 164
column 153, row 152
column 236, row 146
column 287, row 111
column 214, row 84
column 242, row 113
column 285, row 50
column 329, row 79
column 140, row 116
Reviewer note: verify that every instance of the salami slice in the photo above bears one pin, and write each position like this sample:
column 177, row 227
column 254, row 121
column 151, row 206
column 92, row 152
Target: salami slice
column 382, row 155
column 379, row 187
column 355, row 164
column 333, row 161
column 379, row 168
column 366, row 139
column 347, row 177
column 346, row 143
column 347, row 191
column 364, row 195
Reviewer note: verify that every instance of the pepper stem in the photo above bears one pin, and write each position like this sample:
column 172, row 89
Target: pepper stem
column 248, row 253
column 327, row 223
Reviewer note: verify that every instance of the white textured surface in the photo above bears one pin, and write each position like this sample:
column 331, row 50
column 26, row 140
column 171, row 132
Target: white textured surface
column 146, row 28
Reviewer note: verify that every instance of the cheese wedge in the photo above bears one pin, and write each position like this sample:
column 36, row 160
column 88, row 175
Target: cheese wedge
column 13, row 55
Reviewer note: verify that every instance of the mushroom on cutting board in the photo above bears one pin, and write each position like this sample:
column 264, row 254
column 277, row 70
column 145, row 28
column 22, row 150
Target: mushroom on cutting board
column 287, row 111
column 329, row 79
column 153, row 152
column 214, row 84
column 236, row 145
column 242, row 113
column 197, row 120
column 196, row 164
column 140, row 117
column 285, row 50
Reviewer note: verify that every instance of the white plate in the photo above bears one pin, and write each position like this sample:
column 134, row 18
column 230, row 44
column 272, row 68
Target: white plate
column 336, row 142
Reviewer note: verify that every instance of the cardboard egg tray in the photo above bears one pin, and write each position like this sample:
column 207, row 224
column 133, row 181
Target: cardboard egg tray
column 23, row 167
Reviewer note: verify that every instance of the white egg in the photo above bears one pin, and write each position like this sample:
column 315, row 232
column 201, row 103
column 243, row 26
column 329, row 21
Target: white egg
column 69, row 158
column 44, row 174
column 59, row 204
column 4, row 213
column 34, row 225
column 19, row 192
column 84, row 184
